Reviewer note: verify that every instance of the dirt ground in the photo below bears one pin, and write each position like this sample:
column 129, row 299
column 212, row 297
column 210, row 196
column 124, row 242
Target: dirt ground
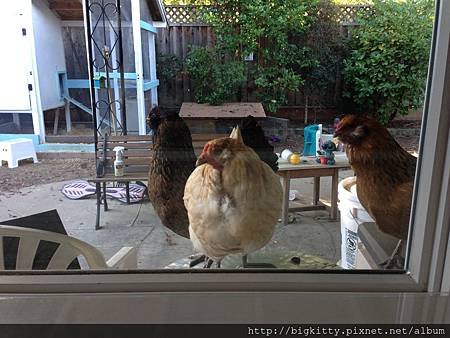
column 46, row 171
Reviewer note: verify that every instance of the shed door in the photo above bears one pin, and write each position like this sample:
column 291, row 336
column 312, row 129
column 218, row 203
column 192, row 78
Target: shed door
column 15, row 59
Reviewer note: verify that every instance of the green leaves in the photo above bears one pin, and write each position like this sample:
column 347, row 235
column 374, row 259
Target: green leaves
column 387, row 67
column 275, row 31
column 215, row 82
column 168, row 66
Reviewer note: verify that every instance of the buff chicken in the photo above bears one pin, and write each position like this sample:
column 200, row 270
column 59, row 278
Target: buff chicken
column 384, row 175
column 233, row 200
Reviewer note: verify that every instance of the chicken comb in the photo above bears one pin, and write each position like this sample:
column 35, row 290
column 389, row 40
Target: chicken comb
column 339, row 126
column 236, row 134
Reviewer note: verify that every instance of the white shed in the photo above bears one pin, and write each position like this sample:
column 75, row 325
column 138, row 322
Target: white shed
column 35, row 77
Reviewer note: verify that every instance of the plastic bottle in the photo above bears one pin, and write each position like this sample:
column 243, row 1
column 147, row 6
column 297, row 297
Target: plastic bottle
column 118, row 163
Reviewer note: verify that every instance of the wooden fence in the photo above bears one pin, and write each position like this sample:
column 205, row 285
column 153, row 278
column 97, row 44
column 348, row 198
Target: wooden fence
column 186, row 29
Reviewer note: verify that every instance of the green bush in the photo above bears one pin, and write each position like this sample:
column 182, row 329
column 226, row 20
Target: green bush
column 215, row 81
column 168, row 66
column 387, row 67
column 275, row 32
column 327, row 48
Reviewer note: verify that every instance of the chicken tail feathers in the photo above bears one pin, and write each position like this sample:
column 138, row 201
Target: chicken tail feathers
column 254, row 137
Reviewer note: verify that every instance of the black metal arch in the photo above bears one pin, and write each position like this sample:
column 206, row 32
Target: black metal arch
column 101, row 17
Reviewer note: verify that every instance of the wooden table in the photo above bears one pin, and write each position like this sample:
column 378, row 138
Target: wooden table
column 311, row 169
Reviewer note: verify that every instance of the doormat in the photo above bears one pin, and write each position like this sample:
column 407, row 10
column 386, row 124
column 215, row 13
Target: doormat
column 83, row 189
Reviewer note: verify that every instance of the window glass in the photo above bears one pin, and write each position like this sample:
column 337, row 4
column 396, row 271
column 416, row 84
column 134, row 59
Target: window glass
column 275, row 146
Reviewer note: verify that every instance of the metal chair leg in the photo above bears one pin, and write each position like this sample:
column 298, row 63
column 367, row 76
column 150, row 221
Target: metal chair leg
column 99, row 201
column 105, row 203
column 127, row 187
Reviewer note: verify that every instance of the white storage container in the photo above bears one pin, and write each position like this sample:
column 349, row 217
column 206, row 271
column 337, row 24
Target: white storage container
column 352, row 214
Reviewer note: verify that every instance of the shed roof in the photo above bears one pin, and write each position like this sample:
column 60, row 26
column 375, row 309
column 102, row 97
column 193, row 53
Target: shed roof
column 72, row 10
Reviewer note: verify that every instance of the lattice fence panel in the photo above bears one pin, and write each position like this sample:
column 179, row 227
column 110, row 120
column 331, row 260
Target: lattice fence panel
column 192, row 15
column 348, row 14
column 185, row 15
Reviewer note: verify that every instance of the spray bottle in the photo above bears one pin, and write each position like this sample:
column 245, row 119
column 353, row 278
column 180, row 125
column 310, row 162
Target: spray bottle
column 118, row 163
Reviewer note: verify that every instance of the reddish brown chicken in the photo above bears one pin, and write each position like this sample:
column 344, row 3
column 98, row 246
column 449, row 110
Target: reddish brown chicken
column 385, row 174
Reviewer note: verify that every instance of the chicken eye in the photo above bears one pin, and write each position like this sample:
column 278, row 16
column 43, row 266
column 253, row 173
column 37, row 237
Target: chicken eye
column 217, row 152
column 359, row 131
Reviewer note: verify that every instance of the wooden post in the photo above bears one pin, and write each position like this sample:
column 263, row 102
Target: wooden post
column 68, row 118
column 334, row 195
column 316, row 191
column 55, row 124
column 286, row 183
column 137, row 43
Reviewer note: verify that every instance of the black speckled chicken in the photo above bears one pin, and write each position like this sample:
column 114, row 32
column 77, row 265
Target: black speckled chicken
column 253, row 137
column 172, row 163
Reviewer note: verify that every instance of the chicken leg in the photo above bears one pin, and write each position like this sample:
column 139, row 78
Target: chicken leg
column 208, row 263
column 196, row 259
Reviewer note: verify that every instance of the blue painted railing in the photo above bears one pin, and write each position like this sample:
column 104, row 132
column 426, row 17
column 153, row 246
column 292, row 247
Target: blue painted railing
column 148, row 27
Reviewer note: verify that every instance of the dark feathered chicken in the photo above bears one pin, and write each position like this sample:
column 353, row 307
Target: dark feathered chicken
column 153, row 121
column 173, row 161
column 253, row 136
column 384, row 170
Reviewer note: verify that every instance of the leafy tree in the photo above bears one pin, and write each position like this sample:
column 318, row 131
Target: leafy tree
column 187, row 2
column 214, row 81
column 353, row 2
column 168, row 66
column 327, row 48
column 387, row 67
column 275, row 32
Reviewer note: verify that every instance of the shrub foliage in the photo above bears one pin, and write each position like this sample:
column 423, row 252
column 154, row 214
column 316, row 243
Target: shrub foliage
column 387, row 66
column 274, row 32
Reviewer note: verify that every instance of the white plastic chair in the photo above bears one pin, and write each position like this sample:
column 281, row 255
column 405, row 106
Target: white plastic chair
column 69, row 248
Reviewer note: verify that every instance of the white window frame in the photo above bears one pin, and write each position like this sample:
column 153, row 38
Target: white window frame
column 428, row 266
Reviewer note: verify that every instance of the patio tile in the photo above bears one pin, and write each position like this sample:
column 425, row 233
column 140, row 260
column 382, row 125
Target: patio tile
column 126, row 236
column 309, row 236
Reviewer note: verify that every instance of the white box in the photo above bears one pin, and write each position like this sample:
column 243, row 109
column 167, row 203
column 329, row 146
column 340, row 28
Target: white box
column 14, row 150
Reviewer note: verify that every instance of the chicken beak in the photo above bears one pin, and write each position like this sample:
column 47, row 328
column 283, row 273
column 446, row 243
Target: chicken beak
column 201, row 160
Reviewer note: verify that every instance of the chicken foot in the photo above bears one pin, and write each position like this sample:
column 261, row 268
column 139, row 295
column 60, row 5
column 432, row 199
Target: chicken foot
column 395, row 261
column 208, row 263
column 246, row 264
column 196, row 259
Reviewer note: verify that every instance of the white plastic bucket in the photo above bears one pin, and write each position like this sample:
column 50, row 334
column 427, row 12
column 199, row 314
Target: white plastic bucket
column 352, row 214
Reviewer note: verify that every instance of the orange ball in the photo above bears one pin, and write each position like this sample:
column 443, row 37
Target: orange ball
column 294, row 159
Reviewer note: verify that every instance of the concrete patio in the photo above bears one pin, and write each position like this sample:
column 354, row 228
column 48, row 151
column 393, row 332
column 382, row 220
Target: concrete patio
column 137, row 225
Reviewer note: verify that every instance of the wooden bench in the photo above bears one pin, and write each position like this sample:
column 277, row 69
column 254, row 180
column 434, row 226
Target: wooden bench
column 137, row 158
